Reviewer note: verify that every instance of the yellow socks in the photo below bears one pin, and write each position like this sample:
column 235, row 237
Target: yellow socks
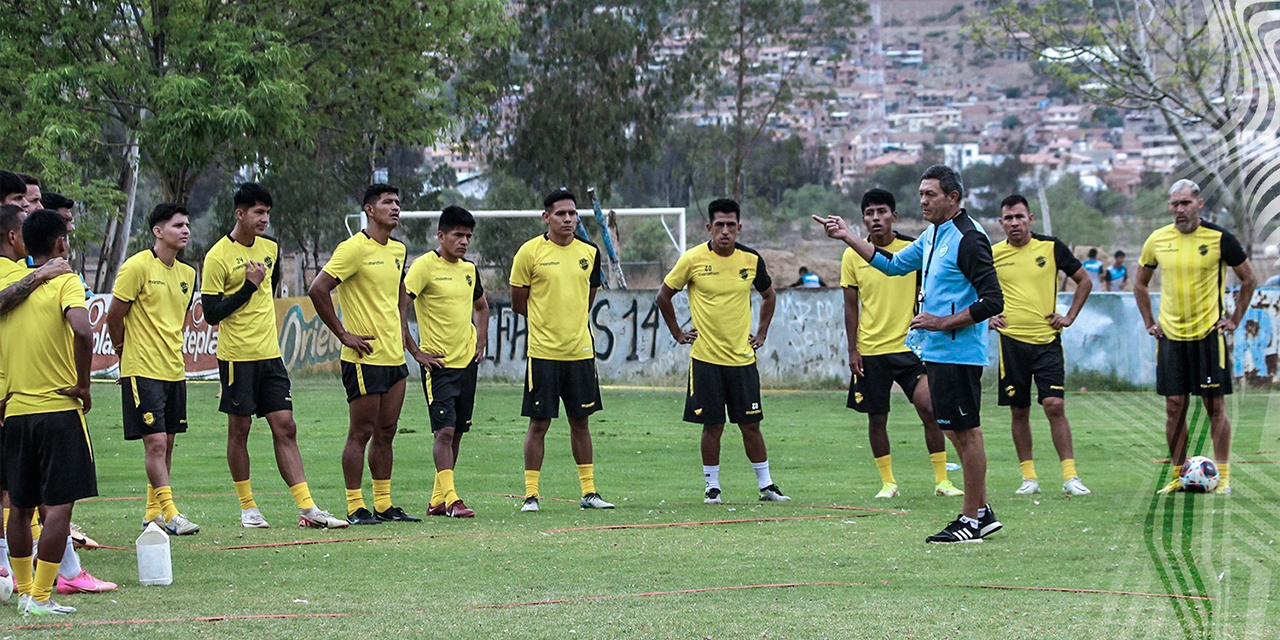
column 1028, row 469
column 153, row 505
column 587, row 478
column 164, row 495
column 1224, row 474
column 246, row 495
column 355, row 500
column 939, row 461
column 302, row 496
column 22, row 574
column 381, row 495
column 531, row 483
column 445, row 481
column 1068, row 469
column 42, row 586
column 885, row 465
column 437, row 492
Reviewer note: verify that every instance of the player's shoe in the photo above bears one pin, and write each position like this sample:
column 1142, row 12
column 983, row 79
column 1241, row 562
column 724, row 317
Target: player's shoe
column 178, row 526
column 317, row 518
column 956, row 532
column 437, row 509
column 80, row 540
column 7, row 585
column 712, row 496
column 1074, row 487
column 988, row 524
column 252, row 519
column 889, row 490
column 772, row 493
column 459, row 510
column 84, row 583
column 1028, row 487
column 530, row 504
column 31, row 607
column 396, row 514
column 362, row 516
column 1223, row 488
column 946, row 489
column 1173, row 486
column 594, row 501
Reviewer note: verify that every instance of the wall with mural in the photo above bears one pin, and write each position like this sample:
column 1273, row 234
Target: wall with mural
column 805, row 345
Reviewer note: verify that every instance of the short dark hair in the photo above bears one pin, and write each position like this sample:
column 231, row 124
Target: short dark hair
column 804, row 269
column 376, row 189
column 455, row 216
column 1119, row 254
column 164, row 212
column 41, row 231
column 29, row 179
column 250, row 194
column 724, row 205
column 879, row 196
column 52, row 200
column 11, row 183
column 556, row 196
column 1093, row 253
column 947, row 178
column 10, row 216
column 1014, row 200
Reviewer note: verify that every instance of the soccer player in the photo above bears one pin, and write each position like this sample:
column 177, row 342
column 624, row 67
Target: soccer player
column 367, row 269
column 722, row 368
column 59, row 203
column 878, row 354
column 1116, row 275
column 152, row 293
column 554, row 278
column 32, row 194
column 1030, row 336
column 959, row 291
column 1093, row 267
column 241, row 272
column 47, row 458
column 453, row 325
column 13, row 190
column 1191, row 357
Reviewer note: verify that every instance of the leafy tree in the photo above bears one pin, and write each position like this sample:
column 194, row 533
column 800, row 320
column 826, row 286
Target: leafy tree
column 1075, row 222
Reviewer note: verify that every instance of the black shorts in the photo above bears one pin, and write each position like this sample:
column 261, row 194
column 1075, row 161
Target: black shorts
column 153, row 406
column 1020, row 362
column 715, row 387
column 547, row 382
column 1195, row 367
column 370, row 379
column 254, row 387
column 451, row 396
column 956, row 390
column 48, row 459
column 869, row 393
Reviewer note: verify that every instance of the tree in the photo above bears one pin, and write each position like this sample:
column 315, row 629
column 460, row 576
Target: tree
column 736, row 31
column 1194, row 64
column 1075, row 221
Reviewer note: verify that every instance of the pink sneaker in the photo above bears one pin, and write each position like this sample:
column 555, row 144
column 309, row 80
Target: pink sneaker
column 84, row 583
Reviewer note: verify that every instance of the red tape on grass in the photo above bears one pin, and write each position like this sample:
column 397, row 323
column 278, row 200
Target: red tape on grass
column 781, row 585
column 648, row 525
column 103, row 623
column 1177, row 596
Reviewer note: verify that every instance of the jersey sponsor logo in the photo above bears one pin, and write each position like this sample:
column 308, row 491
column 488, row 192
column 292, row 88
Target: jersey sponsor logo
column 549, row 263
column 743, row 273
column 753, row 412
column 1040, row 261
column 374, row 263
column 447, row 279
column 157, row 282
column 582, row 262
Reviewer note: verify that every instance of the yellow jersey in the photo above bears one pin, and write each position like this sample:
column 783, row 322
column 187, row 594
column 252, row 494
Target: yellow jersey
column 8, row 267
column 720, row 300
column 444, row 295
column 559, row 280
column 36, row 340
column 888, row 302
column 1194, row 266
column 250, row 332
column 369, row 275
column 1029, row 278
column 160, row 295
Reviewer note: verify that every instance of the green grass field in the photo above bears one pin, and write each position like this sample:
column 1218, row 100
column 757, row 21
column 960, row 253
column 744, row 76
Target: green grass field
column 437, row 579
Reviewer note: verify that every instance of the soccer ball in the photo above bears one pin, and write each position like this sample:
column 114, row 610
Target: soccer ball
column 1199, row 475
column 6, row 585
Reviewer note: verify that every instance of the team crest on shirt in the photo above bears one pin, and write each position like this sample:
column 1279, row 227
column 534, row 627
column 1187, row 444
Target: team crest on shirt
column 268, row 262
column 1203, row 249
column 398, row 264
column 1040, row 261
column 584, row 264
column 183, row 286
column 468, row 279
column 743, row 273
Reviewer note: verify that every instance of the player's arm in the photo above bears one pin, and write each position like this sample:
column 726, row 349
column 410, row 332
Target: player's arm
column 14, row 294
column 1070, row 266
column 895, row 264
column 321, row 294
column 1142, row 297
column 217, row 307
column 520, row 300
column 428, row 360
column 276, row 274
column 480, row 316
column 975, row 263
column 769, row 300
column 115, row 323
column 1244, row 295
column 668, row 311
column 82, row 345
column 851, row 301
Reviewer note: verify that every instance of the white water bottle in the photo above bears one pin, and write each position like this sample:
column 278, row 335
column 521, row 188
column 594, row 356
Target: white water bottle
column 155, row 566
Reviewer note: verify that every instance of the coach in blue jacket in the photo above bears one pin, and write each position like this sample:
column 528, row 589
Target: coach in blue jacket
column 959, row 291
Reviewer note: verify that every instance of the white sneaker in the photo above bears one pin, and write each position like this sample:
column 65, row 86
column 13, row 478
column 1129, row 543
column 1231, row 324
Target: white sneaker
column 772, row 493
column 530, row 504
column 315, row 517
column 180, row 526
column 31, row 607
column 594, row 501
column 712, row 496
column 1074, row 487
column 252, row 519
column 1028, row 487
